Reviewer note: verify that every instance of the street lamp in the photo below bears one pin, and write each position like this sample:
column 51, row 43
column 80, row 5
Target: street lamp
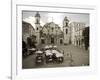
column 48, row 33
column 56, row 36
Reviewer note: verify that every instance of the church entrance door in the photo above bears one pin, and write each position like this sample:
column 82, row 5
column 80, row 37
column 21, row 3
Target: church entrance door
column 52, row 40
column 42, row 41
column 61, row 41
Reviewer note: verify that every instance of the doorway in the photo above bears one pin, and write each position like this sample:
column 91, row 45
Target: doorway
column 61, row 41
column 42, row 41
column 52, row 40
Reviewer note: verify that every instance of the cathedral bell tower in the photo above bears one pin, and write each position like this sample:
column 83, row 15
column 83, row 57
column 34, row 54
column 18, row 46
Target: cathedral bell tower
column 37, row 26
column 66, row 30
column 37, row 21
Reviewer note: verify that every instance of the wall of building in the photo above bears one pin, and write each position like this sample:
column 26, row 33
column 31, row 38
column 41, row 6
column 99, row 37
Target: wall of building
column 27, row 30
column 77, row 33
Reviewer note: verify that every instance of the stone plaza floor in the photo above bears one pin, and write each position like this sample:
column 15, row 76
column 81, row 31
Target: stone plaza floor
column 80, row 57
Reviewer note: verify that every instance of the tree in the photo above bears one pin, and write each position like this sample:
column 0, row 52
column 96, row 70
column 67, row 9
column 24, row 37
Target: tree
column 86, row 37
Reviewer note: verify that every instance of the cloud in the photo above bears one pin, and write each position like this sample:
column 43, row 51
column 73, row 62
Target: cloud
column 57, row 18
column 31, row 20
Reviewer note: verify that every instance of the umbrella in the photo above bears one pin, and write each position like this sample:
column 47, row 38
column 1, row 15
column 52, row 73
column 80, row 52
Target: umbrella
column 59, row 55
column 48, row 53
column 46, row 47
column 32, row 49
column 39, row 52
column 50, row 46
column 54, row 51
column 55, row 46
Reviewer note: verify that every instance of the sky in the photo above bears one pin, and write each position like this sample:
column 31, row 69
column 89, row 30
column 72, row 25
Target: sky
column 46, row 17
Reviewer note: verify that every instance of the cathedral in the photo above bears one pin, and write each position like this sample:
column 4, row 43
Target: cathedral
column 52, row 33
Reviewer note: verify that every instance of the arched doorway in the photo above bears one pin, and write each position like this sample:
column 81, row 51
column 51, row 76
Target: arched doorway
column 61, row 41
column 42, row 41
column 52, row 40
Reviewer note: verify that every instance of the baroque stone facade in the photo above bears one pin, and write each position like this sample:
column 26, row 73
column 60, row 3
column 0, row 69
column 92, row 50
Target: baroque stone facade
column 52, row 33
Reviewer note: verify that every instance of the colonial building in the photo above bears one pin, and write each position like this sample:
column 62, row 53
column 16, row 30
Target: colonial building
column 27, row 30
column 77, row 33
column 86, row 37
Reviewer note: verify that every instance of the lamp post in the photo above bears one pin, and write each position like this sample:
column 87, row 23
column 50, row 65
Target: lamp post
column 48, row 34
column 56, row 36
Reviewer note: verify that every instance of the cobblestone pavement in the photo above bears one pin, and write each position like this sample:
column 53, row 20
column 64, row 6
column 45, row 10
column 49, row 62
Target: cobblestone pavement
column 80, row 57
